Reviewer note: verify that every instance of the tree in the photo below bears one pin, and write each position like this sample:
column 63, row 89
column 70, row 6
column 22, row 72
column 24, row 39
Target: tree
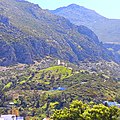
column 80, row 111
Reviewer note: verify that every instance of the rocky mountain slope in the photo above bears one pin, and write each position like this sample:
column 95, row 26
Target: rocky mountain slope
column 114, row 48
column 108, row 30
column 29, row 33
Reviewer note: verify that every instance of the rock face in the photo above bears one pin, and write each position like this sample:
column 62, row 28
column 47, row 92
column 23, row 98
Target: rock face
column 7, row 55
column 108, row 30
column 114, row 48
column 31, row 33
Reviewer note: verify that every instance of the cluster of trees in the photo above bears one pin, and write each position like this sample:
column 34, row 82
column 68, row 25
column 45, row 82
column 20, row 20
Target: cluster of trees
column 77, row 110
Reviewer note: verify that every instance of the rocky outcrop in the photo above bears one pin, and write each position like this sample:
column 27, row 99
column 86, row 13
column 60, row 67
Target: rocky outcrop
column 7, row 54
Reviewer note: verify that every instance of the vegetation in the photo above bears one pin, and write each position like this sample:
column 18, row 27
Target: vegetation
column 80, row 111
column 40, row 87
column 35, row 94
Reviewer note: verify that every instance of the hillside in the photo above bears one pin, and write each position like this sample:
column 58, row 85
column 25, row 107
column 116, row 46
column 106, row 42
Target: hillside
column 114, row 48
column 106, row 29
column 29, row 33
column 34, row 91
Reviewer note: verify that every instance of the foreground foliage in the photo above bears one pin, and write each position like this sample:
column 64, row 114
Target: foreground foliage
column 77, row 110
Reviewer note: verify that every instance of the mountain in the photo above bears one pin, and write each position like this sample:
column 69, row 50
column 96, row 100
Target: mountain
column 108, row 30
column 29, row 33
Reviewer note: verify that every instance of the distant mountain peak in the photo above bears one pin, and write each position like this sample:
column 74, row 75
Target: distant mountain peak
column 75, row 6
column 106, row 29
column 72, row 6
column 20, row 0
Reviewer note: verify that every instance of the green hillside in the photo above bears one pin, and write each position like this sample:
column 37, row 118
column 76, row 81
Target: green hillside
column 59, row 72
column 35, row 91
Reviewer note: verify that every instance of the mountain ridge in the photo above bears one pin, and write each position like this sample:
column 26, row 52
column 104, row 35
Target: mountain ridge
column 33, row 33
column 106, row 29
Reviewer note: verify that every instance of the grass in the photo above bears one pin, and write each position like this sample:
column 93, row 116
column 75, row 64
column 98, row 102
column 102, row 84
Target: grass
column 60, row 72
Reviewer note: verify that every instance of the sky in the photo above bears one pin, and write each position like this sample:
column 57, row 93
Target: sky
column 107, row 8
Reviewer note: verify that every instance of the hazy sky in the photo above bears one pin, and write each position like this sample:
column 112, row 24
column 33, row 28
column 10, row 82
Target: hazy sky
column 107, row 8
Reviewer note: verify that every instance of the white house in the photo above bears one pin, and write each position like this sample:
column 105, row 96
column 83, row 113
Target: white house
column 2, row 118
column 8, row 117
column 109, row 103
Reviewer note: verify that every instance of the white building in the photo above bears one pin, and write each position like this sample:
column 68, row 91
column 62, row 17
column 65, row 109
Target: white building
column 2, row 118
column 8, row 117
column 59, row 62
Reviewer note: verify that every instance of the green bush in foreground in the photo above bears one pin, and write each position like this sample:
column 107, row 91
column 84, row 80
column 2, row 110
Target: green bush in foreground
column 80, row 111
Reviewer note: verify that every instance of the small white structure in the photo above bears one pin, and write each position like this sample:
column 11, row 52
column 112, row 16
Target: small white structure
column 109, row 103
column 19, row 118
column 62, row 63
column 2, row 118
column 46, row 119
column 8, row 117
column 58, row 62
